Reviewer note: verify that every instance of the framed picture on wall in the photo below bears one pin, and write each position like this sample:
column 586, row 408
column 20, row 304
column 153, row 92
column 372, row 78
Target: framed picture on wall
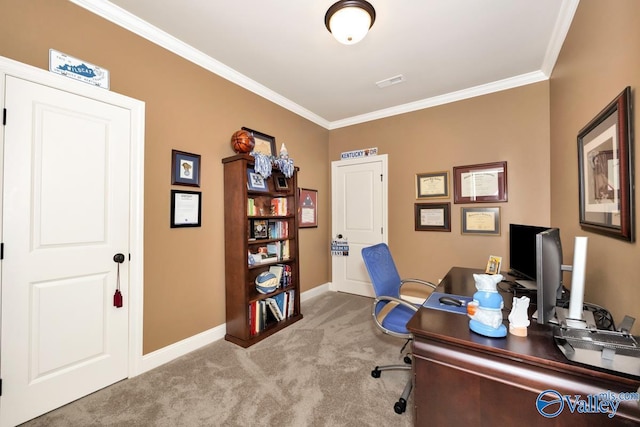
column 186, row 207
column 185, row 168
column 264, row 144
column 481, row 183
column 432, row 216
column 308, row 208
column 432, row 185
column 605, row 172
column 484, row 221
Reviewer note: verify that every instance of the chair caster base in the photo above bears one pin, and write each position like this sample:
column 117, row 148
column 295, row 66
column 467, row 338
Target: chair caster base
column 400, row 406
column 376, row 373
column 407, row 360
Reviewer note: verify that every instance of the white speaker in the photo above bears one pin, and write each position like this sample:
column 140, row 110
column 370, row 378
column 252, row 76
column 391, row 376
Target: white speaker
column 577, row 278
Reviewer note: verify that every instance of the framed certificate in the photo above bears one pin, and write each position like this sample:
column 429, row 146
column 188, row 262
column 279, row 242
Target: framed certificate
column 186, row 207
column 480, row 183
column 432, row 185
column 484, row 221
column 432, row 216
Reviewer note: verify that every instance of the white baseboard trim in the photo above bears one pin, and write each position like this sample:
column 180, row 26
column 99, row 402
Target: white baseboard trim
column 167, row 354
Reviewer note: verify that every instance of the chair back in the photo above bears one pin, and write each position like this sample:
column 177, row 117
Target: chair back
column 382, row 270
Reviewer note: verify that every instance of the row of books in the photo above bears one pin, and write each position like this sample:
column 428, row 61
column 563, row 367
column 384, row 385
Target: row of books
column 280, row 206
column 268, row 229
column 277, row 206
column 274, row 309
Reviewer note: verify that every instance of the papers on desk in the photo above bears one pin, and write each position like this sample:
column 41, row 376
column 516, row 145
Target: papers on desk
column 434, row 302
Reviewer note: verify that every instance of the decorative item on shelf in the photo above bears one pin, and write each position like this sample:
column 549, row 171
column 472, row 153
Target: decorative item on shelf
column 266, row 282
column 263, row 164
column 242, row 141
column 284, row 163
column 485, row 310
column 518, row 318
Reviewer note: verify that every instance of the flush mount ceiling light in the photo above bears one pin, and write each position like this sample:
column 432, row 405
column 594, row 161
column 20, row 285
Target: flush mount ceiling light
column 350, row 20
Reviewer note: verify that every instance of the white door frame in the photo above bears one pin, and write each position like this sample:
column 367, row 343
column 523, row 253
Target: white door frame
column 136, row 202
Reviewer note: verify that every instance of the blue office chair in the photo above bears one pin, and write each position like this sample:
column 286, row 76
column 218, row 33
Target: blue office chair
column 390, row 312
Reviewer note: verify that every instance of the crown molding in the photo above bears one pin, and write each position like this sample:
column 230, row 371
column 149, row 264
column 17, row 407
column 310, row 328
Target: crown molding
column 130, row 22
column 559, row 34
column 510, row 83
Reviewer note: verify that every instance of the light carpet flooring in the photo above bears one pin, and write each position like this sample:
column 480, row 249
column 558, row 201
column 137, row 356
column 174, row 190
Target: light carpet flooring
column 317, row 372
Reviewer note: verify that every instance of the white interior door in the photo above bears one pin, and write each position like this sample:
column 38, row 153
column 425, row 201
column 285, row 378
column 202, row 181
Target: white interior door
column 359, row 214
column 65, row 216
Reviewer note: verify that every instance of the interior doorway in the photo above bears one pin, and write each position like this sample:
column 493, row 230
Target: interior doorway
column 359, row 214
column 72, row 172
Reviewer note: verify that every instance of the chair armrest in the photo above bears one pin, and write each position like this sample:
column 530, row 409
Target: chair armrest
column 390, row 301
column 419, row 281
column 393, row 299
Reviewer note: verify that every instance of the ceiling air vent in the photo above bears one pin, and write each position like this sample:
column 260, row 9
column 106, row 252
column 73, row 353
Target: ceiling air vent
column 391, row 81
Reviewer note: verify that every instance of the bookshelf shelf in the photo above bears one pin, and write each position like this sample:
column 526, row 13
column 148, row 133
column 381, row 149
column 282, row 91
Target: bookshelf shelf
column 260, row 226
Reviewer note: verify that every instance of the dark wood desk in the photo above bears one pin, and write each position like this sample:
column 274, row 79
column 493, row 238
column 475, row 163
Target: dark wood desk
column 463, row 378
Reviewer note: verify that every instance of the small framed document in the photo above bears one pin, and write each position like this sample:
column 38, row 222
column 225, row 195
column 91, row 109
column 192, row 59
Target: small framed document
column 432, row 185
column 186, row 207
column 432, row 216
column 484, row 221
column 480, row 183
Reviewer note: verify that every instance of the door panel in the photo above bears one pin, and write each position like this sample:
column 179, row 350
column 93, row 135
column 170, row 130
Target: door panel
column 66, row 213
column 359, row 194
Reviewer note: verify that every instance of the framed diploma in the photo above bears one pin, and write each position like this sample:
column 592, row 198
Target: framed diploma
column 605, row 171
column 433, row 185
column 432, row 216
column 480, row 183
column 481, row 221
column 186, row 207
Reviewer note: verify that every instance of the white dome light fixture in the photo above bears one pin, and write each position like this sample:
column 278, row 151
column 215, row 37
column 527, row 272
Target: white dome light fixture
column 349, row 20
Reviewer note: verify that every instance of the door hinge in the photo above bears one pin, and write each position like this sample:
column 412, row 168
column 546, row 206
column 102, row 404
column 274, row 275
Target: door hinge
column 0, row 386
column 4, row 116
column 1, row 252
column 381, row 178
column 129, row 257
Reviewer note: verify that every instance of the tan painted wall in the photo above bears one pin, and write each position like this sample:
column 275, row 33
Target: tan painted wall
column 600, row 57
column 511, row 126
column 190, row 109
column 193, row 110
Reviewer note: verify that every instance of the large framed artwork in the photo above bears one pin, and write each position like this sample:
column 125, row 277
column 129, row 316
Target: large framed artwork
column 605, row 171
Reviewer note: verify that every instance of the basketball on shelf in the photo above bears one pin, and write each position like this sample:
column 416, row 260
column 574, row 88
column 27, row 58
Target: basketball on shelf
column 242, row 141
column 266, row 282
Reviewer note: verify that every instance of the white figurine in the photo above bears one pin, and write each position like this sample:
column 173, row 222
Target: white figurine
column 284, row 154
column 518, row 318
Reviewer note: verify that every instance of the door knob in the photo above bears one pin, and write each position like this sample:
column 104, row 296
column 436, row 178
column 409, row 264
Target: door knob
column 119, row 258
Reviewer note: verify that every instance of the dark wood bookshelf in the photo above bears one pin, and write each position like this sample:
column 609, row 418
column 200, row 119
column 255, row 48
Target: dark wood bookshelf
column 240, row 288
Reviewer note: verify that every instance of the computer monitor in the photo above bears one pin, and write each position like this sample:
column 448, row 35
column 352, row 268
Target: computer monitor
column 522, row 250
column 548, row 273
